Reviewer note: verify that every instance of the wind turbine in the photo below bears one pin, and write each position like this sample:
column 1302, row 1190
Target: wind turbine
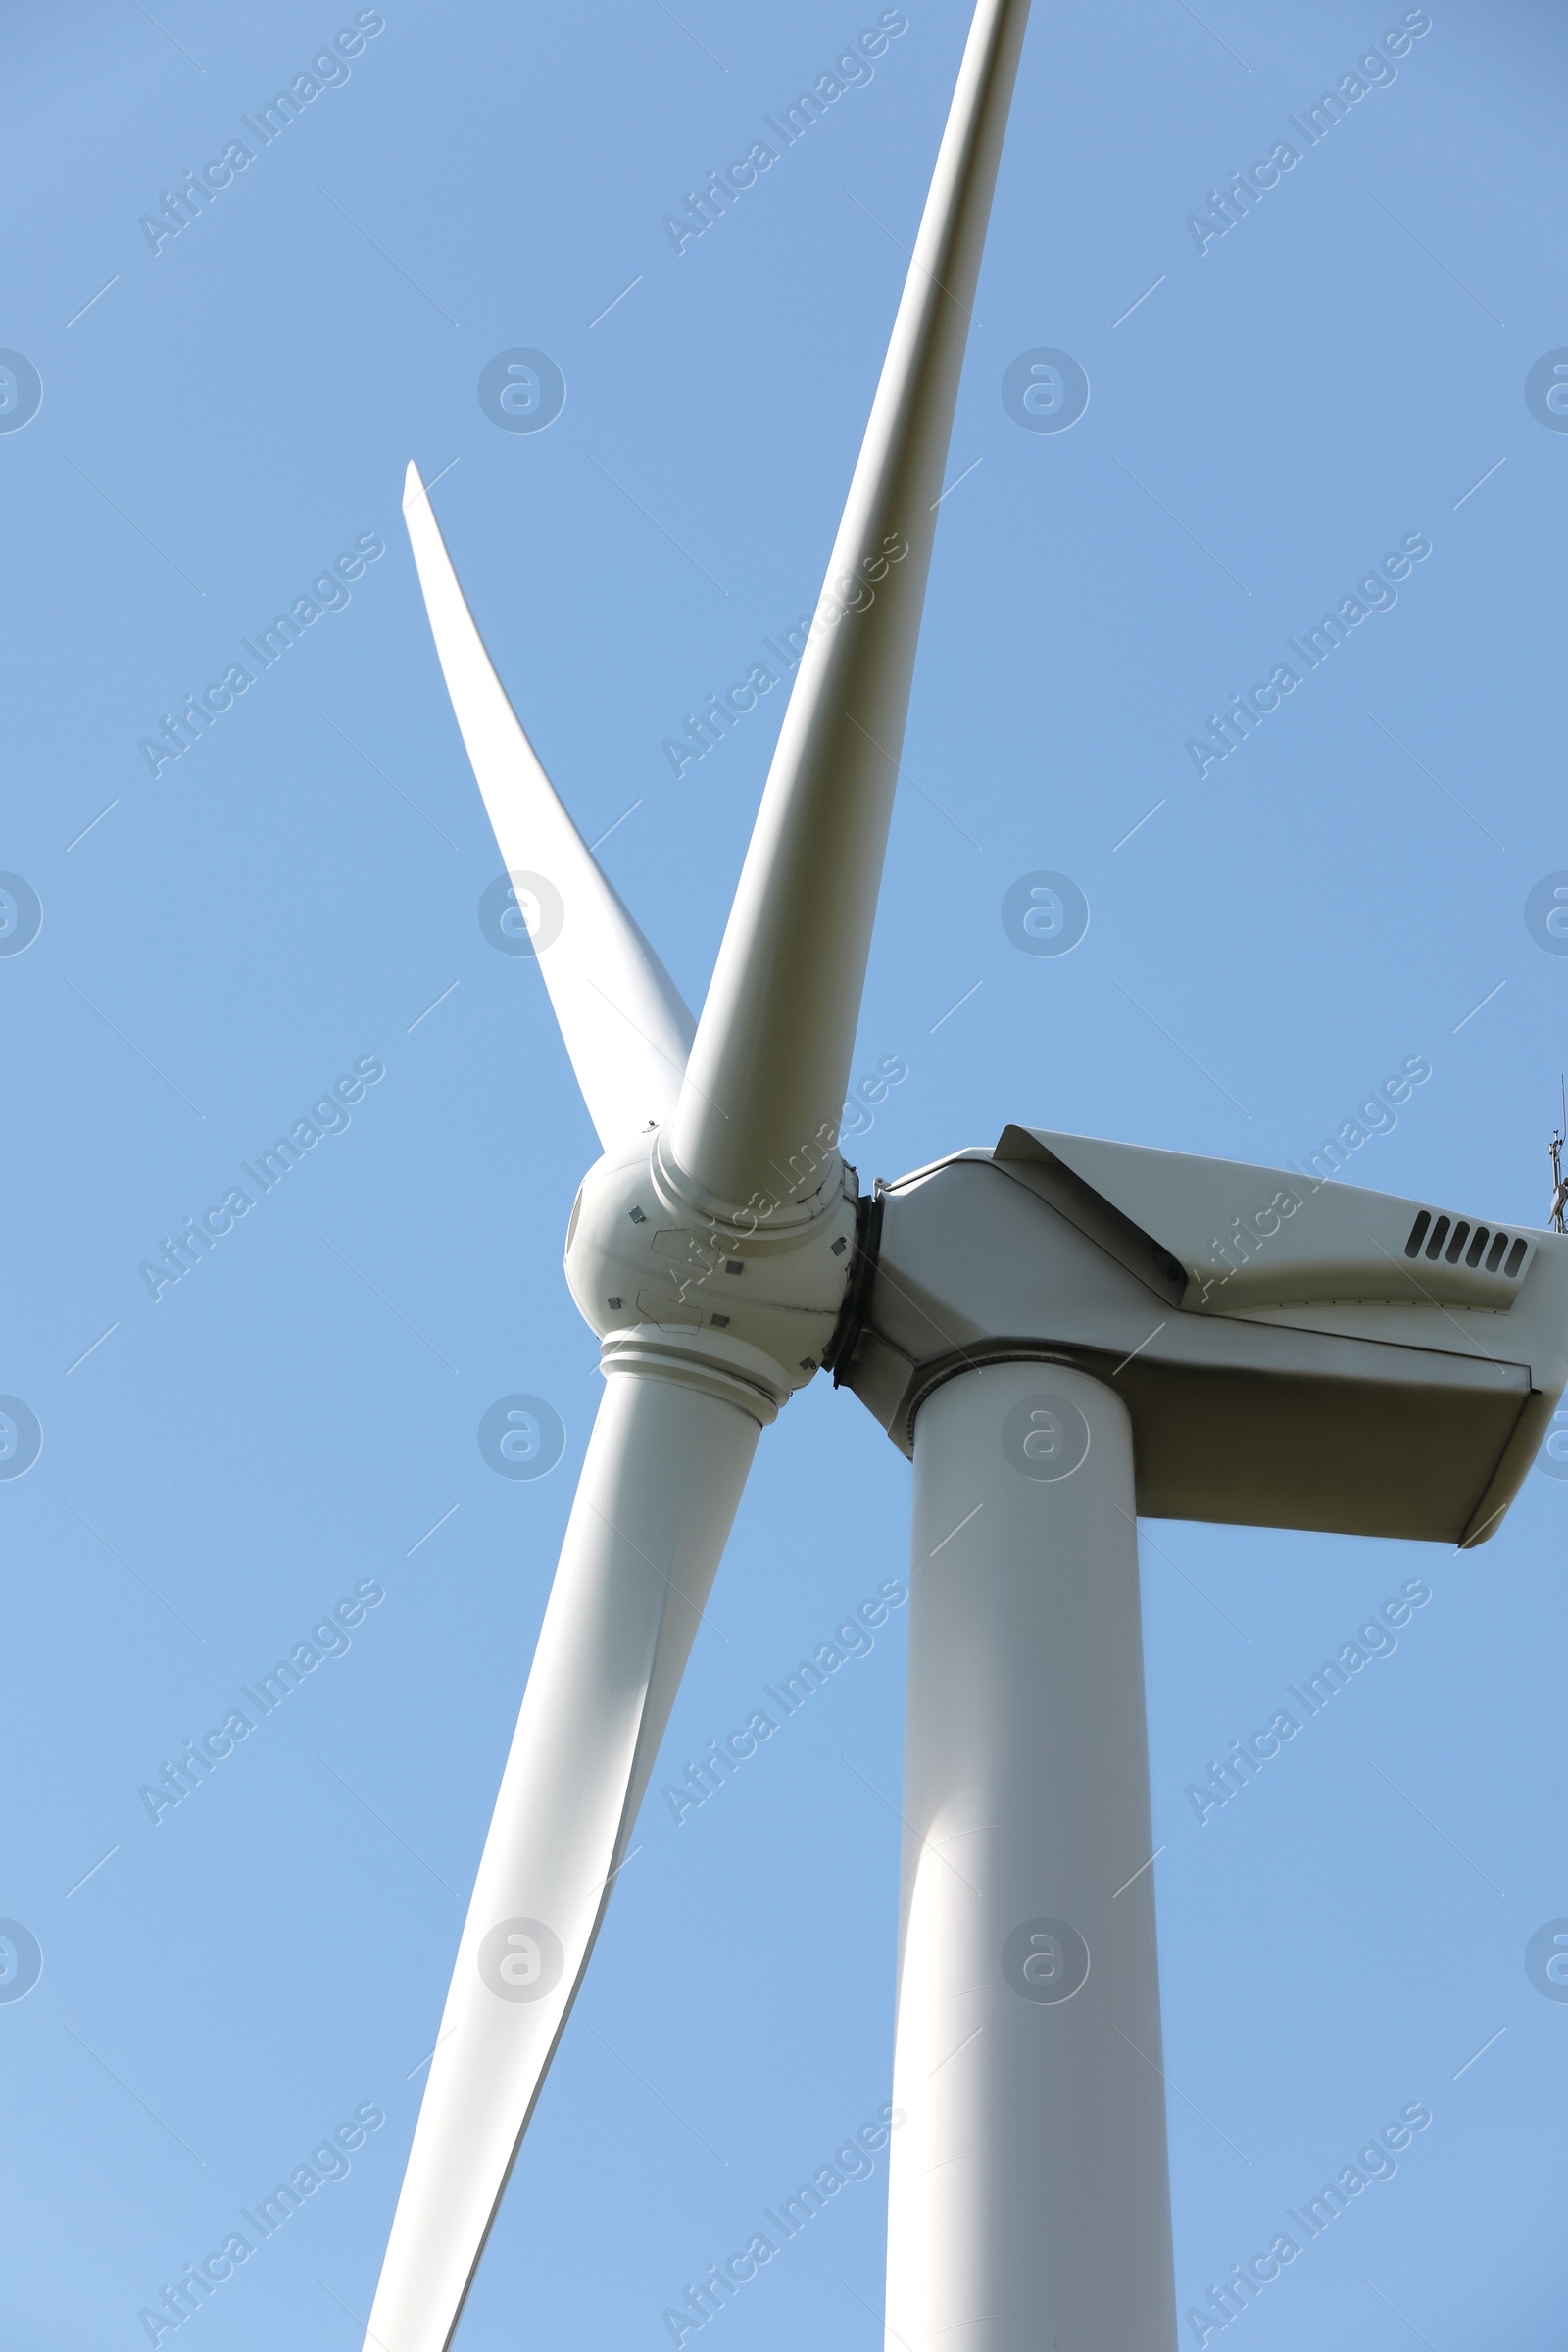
column 1059, row 1332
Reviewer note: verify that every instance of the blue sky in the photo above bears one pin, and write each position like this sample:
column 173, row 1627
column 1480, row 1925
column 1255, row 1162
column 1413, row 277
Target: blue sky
column 296, row 898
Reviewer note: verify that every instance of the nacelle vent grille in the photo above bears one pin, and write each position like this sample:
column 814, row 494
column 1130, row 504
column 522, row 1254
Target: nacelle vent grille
column 1452, row 1239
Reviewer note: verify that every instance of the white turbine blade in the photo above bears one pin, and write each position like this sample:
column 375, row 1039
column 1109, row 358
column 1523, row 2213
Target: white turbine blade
column 663, row 1475
column 625, row 1026
column 772, row 1060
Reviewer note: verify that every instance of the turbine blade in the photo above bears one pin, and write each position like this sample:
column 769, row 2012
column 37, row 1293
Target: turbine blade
column 626, row 1029
column 769, row 1070
column 663, row 1475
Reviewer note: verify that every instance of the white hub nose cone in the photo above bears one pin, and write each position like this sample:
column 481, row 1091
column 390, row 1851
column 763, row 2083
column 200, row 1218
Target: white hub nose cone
column 731, row 1300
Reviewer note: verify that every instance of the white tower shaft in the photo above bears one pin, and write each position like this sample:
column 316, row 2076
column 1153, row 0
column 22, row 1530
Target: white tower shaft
column 1029, row 2191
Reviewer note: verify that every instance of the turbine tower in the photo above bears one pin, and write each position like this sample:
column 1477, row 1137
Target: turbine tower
column 1059, row 1332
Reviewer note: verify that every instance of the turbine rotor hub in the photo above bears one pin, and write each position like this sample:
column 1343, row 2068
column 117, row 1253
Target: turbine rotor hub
column 740, row 1304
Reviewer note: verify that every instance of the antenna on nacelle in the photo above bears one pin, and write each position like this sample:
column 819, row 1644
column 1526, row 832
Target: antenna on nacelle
column 1559, row 1188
